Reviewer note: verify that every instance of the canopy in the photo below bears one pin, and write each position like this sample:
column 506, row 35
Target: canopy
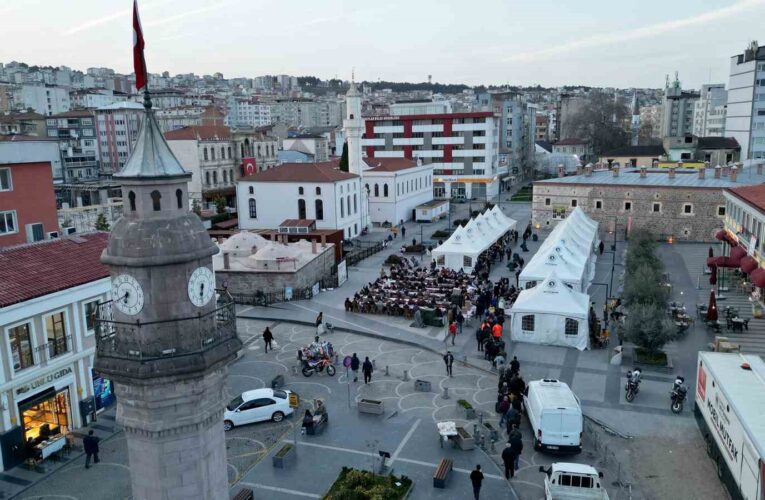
column 466, row 243
column 748, row 264
column 551, row 314
column 758, row 277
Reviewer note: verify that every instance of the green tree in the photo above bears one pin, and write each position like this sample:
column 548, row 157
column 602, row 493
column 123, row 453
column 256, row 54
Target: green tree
column 101, row 223
column 344, row 158
column 220, row 205
column 602, row 121
column 643, row 287
column 648, row 327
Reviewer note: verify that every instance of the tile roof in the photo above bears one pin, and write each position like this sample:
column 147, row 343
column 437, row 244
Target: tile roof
column 327, row 171
column 646, row 150
column 389, row 164
column 718, row 143
column 570, row 142
column 37, row 269
column 753, row 195
column 200, row 132
column 75, row 113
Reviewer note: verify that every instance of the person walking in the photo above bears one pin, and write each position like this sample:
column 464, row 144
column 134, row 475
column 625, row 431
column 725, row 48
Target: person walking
column 367, row 368
column 449, row 361
column 508, row 459
column 268, row 337
column 502, row 408
column 516, row 445
column 479, row 339
column 90, row 443
column 518, row 278
column 476, row 477
column 515, row 365
column 403, row 232
column 601, row 247
column 355, row 363
column 496, row 331
column 453, row 331
column 319, row 323
column 460, row 320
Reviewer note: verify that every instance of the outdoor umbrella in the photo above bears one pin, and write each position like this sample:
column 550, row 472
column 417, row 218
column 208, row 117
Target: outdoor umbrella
column 711, row 252
column 712, row 309
column 713, row 276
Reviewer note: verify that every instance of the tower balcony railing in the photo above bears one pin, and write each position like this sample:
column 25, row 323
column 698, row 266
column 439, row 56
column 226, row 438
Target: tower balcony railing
column 164, row 339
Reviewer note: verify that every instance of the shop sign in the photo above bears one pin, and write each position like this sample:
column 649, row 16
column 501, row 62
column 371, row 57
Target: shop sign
column 44, row 380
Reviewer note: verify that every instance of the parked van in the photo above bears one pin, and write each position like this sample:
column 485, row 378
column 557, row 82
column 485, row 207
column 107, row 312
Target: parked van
column 555, row 416
column 566, row 481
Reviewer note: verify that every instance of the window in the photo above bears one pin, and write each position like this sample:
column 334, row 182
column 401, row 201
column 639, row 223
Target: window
column 657, row 208
column 627, row 206
column 355, row 206
column 207, row 178
column 547, row 202
column 251, row 190
column 90, row 309
column 20, row 338
column 385, row 190
column 253, row 208
column 55, row 329
column 348, row 204
column 301, row 208
column 215, row 177
column 721, row 211
column 342, row 207
column 572, row 327
column 5, row 179
column 318, row 191
column 225, row 177
column 212, row 154
column 377, row 190
column 300, row 189
column 155, row 197
column 206, row 157
column 8, row 222
column 467, row 261
column 319, row 209
column 598, row 204
column 35, row 232
column 573, row 203
column 527, row 323
column 229, row 152
column 131, row 197
column 688, row 208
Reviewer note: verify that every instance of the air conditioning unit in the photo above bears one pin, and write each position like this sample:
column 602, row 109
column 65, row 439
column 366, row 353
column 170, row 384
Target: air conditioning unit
column 70, row 230
column 53, row 235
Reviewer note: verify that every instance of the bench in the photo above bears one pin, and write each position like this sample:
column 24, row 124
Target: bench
column 244, row 494
column 277, row 381
column 442, row 473
column 318, row 427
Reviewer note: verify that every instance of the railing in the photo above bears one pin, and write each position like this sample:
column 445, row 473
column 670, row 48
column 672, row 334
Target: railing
column 362, row 253
column 164, row 339
column 56, row 347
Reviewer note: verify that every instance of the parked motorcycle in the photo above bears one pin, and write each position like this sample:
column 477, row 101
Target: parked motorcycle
column 678, row 394
column 633, row 384
column 318, row 366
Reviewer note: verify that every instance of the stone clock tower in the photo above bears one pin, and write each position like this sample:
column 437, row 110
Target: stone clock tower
column 167, row 336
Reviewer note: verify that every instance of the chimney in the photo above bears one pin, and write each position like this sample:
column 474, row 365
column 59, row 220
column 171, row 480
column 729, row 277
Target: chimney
column 718, row 169
column 588, row 170
column 561, row 170
column 759, row 168
column 226, row 264
column 615, row 170
column 733, row 173
column 702, row 172
column 672, row 172
column 643, row 171
column 579, row 169
column 726, row 170
column 313, row 246
column 323, row 240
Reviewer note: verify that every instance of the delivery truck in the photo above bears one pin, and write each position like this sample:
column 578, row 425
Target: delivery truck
column 730, row 411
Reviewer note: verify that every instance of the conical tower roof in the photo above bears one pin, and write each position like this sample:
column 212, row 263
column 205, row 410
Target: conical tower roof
column 353, row 91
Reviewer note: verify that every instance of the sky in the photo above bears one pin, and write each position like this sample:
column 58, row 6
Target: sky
column 620, row 43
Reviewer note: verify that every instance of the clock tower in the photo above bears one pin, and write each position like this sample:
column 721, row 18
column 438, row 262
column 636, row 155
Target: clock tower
column 167, row 336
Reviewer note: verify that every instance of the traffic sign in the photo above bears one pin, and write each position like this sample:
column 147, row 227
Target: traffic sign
column 347, row 361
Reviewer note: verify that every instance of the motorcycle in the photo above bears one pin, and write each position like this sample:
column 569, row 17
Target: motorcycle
column 633, row 384
column 311, row 367
column 678, row 394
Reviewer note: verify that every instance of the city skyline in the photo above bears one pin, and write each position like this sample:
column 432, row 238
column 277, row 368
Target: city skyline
column 514, row 43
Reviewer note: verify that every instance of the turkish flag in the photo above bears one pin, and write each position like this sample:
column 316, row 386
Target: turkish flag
column 139, row 63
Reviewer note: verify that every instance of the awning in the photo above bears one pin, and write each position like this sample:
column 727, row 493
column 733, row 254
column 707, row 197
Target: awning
column 758, row 277
column 722, row 261
column 723, row 235
column 748, row 264
column 736, row 254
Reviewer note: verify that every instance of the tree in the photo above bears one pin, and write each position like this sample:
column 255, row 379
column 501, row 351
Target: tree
column 344, row 158
column 642, row 287
column 196, row 207
column 647, row 327
column 101, row 223
column 220, row 205
column 601, row 121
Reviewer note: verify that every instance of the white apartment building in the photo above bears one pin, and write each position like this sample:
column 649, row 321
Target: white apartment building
column 745, row 118
column 709, row 111
column 117, row 128
column 248, row 113
column 44, row 99
column 91, row 98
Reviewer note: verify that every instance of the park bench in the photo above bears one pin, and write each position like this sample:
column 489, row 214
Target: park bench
column 244, row 494
column 442, row 473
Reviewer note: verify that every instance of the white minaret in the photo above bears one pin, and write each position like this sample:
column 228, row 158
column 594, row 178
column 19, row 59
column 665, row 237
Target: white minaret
column 353, row 127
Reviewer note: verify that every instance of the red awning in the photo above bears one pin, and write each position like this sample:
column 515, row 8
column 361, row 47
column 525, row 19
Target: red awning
column 722, row 261
column 758, row 277
column 736, row 254
column 723, row 235
column 748, row 264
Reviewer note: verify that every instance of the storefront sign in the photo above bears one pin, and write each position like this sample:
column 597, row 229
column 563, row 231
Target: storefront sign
column 44, row 380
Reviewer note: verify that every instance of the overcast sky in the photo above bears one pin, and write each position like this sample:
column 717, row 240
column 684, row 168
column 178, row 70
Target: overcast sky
column 622, row 43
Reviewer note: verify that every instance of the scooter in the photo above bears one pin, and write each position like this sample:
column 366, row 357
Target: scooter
column 678, row 394
column 633, row 384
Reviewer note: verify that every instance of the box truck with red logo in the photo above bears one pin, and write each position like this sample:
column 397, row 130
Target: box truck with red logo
column 730, row 411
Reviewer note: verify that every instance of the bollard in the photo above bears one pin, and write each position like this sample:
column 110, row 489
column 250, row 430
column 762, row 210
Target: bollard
column 294, row 370
column 387, row 372
column 475, row 429
column 374, row 364
column 406, row 375
column 335, row 358
column 480, row 418
column 446, row 393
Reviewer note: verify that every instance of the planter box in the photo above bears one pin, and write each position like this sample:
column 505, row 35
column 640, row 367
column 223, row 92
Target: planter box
column 465, row 440
column 422, row 386
column 285, row 456
column 371, row 406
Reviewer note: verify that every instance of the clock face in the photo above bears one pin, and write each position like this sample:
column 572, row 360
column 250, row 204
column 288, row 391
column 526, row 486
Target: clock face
column 201, row 286
column 127, row 294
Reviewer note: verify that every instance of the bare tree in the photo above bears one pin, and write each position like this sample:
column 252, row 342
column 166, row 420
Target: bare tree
column 601, row 121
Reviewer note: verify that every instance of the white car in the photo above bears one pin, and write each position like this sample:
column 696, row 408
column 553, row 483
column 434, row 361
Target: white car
column 257, row 406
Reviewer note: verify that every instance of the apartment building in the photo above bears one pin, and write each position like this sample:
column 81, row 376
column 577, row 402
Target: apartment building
column 248, row 113
column 78, row 143
column 27, row 203
column 745, row 119
column 44, row 99
column 709, row 111
column 117, row 128
column 677, row 110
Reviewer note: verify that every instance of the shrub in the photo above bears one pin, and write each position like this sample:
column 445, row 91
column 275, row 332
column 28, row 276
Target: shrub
column 440, row 234
column 460, row 222
column 464, row 404
column 393, row 259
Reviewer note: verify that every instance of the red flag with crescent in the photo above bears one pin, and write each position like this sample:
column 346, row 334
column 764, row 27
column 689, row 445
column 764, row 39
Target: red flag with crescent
column 139, row 63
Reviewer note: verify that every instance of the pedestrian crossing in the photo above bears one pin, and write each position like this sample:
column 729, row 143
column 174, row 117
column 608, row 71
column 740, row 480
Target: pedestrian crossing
column 752, row 340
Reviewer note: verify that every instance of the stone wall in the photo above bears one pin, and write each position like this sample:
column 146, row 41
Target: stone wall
column 606, row 204
column 249, row 282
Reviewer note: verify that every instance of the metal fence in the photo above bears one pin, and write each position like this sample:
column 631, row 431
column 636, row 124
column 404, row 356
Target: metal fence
column 604, row 457
column 362, row 252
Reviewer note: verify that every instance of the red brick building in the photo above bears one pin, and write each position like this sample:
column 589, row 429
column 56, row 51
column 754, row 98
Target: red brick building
column 27, row 203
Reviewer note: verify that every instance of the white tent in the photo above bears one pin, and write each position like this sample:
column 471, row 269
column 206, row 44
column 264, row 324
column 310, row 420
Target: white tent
column 551, row 314
column 570, row 268
column 466, row 243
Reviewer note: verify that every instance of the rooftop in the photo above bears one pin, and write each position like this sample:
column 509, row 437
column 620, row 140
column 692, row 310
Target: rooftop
column 649, row 150
column 570, row 142
column 200, row 133
column 122, row 105
column 75, row 113
column 718, row 143
column 389, row 164
column 37, row 269
column 753, row 195
column 327, row 171
column 434, row 116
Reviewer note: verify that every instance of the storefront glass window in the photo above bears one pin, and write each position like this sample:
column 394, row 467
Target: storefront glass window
column 56, row 330
column 21, row 346
column 47, row 418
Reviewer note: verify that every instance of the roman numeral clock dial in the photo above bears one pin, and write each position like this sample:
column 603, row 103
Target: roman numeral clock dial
column 201, row 286
column 127, row 294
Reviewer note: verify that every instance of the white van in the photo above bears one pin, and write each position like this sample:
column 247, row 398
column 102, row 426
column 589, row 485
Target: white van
column 555, row 416
column 566, row 481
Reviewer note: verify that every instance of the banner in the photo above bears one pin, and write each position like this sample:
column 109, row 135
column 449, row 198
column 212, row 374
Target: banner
column 249, row 166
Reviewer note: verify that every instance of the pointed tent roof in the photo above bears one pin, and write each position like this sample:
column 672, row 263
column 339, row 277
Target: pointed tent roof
column 151, row 157
column 552, row 296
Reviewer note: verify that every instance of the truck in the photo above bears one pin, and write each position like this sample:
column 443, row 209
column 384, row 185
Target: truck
column 570, row 481
column 729, row 408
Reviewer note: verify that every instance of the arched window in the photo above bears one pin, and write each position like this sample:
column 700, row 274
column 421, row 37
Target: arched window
column 225, row 177
column 212, row 153
column 241, row 147
column 348, row 204
column 222, row 153
column 207, row 178
column 155, row 197
column 300, row 189
column 342, row 207
column 206, row 157
column 319, row 209
column 301, row 208
column 318, row 190
column 179, row 197
column 215, row 177
column 385, row 190
column 131, row 197
column 231, row 174
column 229, row 152
column 377, row 190
column 252, row 190
column 258, row 149
column 355, row 206
column 253, row 209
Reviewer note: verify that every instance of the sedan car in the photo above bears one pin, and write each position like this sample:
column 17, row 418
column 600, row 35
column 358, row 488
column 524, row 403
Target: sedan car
column 256, row 406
